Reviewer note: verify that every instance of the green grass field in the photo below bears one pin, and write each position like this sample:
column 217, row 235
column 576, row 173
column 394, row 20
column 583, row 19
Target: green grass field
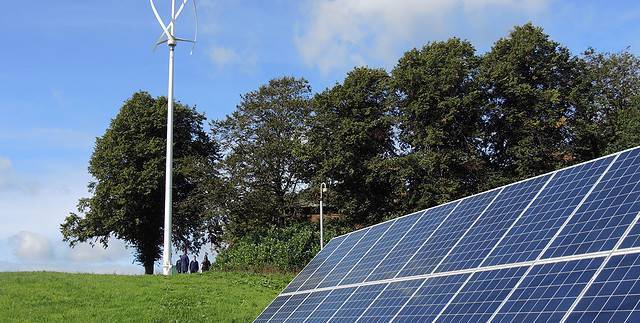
column 211, row 297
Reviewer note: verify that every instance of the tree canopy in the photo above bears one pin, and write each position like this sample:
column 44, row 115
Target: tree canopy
column 127, row 192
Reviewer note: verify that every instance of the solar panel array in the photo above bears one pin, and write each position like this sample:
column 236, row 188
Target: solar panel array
column 563, row 246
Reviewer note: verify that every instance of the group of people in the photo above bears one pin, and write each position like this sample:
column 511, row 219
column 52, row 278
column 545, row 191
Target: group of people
column 183, row 266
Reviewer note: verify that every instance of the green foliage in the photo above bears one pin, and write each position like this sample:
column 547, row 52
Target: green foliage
column 528, row 81
column 261, row 140
column 210, row 297
column 606, row 97
column 128, row 166
column 438, row 107
column 349, row 137
column 286, row 249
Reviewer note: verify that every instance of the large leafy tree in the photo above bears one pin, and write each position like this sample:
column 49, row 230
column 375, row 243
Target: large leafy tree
column 262, row 140
column 350, row 143
column 605, row 97
column 128, row 187
column 528, row 79
column 439, row 117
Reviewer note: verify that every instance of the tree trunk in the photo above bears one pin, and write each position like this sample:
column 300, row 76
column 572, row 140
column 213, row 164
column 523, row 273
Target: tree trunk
column 148, row 268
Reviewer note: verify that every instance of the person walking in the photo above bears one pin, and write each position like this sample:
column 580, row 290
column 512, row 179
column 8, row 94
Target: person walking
column 193, row 266
column 178, row 266
column 184, row 262
column 206, row 264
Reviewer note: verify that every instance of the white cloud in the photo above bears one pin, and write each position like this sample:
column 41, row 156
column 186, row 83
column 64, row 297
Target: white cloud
column 222, row 56
column 11, row 181
column 336, row 34
column 31, row 246
column 83, row 252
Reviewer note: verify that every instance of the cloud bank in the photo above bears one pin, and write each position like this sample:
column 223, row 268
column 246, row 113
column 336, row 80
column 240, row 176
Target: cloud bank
column 336, row 34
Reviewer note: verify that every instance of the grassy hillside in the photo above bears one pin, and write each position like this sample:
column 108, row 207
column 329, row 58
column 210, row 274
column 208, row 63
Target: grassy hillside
column 212, row 297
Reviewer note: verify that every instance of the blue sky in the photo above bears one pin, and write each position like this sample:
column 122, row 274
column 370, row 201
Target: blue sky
column 67, row 66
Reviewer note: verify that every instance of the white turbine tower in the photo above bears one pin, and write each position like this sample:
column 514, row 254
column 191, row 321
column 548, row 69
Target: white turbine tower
column 168, row 36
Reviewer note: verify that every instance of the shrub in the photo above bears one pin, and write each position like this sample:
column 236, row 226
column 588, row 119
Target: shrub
column 285, row 250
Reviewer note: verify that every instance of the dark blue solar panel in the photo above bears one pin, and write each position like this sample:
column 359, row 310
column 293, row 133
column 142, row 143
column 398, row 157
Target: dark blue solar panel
column 549, row 211
column 548, row 291
column 408, row 245
column 288, row 308
column 482, row 295
column 483, row 236
column 358, row 303
column 307, row 306
column 429, row 300
column 332, row 261
column 614, row 296
column 443, row 239
column 361, row 248
column 607, row 212
column 314, row 264
column 330, row 305
column 380, row 249
column 633, row 239
column 390, row 301
column 272, row 308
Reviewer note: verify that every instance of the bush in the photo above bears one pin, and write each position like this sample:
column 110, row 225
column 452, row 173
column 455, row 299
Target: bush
column 285, row 250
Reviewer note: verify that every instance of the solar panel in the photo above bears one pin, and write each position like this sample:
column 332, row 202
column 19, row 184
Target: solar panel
column 615, row 294
column 563, row 246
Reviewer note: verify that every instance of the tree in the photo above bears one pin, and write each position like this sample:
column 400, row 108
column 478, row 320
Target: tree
column 605, row 98
column 128, row 166
column 350, row 140
column 438, row 104
column 528, row 79
column 262, row 140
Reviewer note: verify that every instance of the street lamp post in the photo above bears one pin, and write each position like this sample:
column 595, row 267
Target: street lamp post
column 323, row 188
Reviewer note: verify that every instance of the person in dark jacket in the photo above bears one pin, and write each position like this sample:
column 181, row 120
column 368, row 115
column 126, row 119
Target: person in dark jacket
column 178, row 267
column 193, row 266
column 206, row 264
column 184, row 263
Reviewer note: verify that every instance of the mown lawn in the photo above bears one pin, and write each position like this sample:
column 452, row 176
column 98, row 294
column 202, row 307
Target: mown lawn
column 211, row 297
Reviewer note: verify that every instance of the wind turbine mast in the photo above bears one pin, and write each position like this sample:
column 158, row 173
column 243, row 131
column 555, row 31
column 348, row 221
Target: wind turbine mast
column 168, row 36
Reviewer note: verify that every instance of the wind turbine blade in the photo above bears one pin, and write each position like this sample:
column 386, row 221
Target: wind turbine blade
column 155, row 13
column 158, row 43
column 195, row 37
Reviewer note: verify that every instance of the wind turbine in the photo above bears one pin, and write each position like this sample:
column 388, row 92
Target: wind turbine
column 168, row 36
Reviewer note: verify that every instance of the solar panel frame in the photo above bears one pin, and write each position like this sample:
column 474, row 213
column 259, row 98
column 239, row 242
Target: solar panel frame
column 421, row 264
column 549, row 213
column 605, row 215
column 623, row 247
column 618, row 284
column 344, row 266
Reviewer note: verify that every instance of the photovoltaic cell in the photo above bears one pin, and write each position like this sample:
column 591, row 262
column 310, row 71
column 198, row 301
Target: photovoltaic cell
column 482, row 295
column 330, row 304
column 548, row 291
column 326, row 267
column 380, row 249
column 385, row 307
column 633, row 239
column 272, row 308
column 288, row 307
column 399, row 255
column 358, row 303
column 443, row 239
column 307, row 306
column 615, row 294
column 361, row 248
column 314, row 264
column 430, row 298
column 528, row 237
column 606, row 214
column 483, row 236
